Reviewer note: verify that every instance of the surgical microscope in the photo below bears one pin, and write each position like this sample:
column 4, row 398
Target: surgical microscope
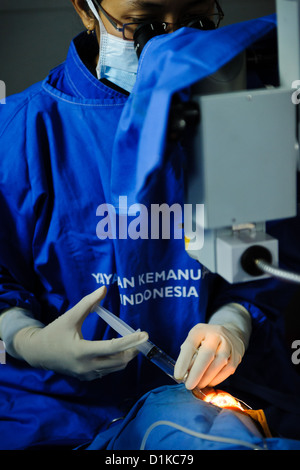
column 244, row 158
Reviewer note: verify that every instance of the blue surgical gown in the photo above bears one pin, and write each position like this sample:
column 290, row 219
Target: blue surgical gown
column 59, row 161
column 56, row 144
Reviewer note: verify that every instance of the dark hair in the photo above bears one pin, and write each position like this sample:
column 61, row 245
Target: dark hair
column 87, row 8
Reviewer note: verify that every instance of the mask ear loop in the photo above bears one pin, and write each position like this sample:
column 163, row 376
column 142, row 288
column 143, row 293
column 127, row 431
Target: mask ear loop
column 93, row 9
column 95, row 12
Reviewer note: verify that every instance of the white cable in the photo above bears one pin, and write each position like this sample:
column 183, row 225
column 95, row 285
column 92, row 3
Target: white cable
column 198, row 434
column 277, row 272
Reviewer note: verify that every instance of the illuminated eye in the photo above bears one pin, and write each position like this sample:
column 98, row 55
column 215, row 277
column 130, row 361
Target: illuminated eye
column 219, row 398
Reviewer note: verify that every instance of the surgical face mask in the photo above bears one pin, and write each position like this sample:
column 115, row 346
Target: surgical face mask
column 118, row 61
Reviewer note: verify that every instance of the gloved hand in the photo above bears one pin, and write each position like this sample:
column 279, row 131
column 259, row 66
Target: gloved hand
column 213, row 351
column 60, row 346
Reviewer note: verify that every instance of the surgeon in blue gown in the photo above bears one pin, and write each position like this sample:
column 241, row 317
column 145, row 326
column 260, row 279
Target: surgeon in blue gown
column 67, row 376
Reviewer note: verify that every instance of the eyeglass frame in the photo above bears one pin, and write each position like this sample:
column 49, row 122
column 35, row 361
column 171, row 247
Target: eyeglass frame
column 115, row 22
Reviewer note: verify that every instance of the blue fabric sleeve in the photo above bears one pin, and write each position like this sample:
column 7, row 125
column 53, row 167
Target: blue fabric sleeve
column 17, row 208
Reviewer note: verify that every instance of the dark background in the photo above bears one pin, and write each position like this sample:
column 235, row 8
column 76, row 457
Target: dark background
column 35, row 35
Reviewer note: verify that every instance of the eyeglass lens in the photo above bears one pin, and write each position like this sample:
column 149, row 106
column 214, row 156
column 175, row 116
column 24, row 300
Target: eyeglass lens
column 203, row 23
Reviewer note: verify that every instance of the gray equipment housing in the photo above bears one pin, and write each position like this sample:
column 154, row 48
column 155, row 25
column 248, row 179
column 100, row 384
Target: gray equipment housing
column 243, row 163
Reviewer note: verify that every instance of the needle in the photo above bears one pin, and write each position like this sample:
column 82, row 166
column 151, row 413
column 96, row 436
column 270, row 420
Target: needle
column 152, row 352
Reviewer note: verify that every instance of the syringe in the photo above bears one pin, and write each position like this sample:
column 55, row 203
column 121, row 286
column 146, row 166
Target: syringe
column 152, row 352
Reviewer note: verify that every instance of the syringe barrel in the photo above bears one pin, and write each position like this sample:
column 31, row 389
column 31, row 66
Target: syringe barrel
column 162, row 360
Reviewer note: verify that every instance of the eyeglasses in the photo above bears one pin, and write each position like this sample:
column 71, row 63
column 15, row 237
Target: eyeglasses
column 198, row 21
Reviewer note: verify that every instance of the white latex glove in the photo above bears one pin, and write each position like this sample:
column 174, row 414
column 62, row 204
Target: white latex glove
column 213, row 351
column 60, row 346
